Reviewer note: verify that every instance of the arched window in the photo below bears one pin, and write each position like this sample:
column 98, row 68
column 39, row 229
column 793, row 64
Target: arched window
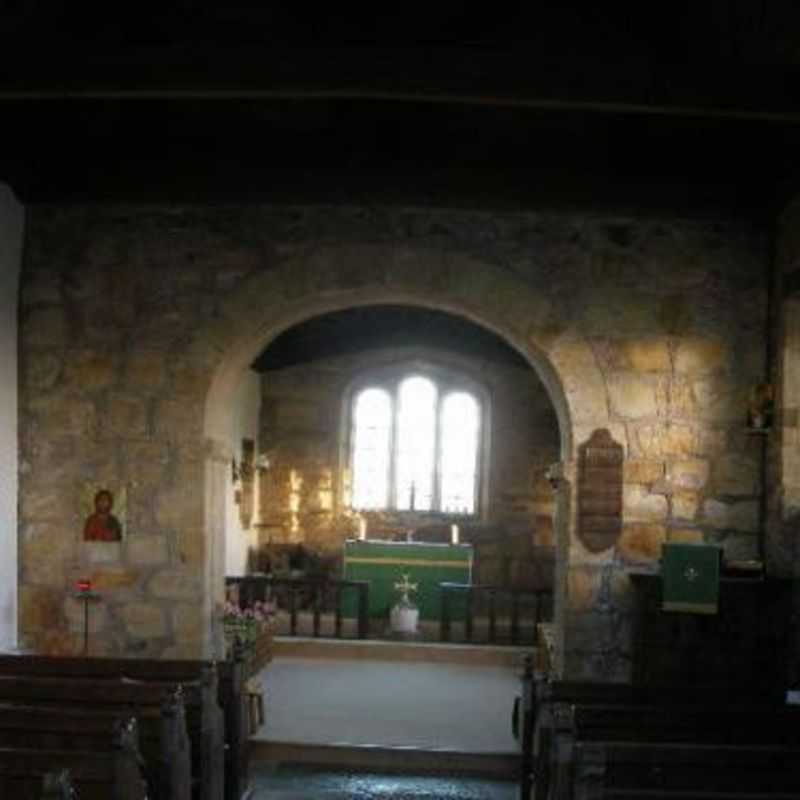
column 415, row 446
column 460, row 428
column 372, row 429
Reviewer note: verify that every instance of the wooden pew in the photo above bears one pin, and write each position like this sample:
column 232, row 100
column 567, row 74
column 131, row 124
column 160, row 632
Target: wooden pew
column 113, row 774
column 539, row 693
column 229, row 761
column 87, row 706
column 58, row 786
column 49, row 726
column 683, row 771
column 604, row 751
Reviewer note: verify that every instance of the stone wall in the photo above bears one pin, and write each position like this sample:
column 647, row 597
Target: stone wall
column 11, row 232
column 784, row 439
column 241, row 502
column 137, row 324
column 304, row 492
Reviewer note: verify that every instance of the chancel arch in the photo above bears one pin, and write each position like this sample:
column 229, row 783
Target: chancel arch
column 273, row 303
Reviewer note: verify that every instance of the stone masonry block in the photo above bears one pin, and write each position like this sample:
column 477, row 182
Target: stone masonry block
column 646, row 355
column 661, row 441
column 641, row 542
column 144, row 620
column 685, row 504
column 632, row 396
column 145, row 370
column 642, row 471
column 90, row 370
column 64, row 414
column 145, row 464
column 179, row 418
column 583, row 587
column 126, row 416
column 40, row 608
column 44, row 327
column 188, row 622
column 639, row 505
column 736, row 475
column 700, row 355
column 178, row 508
column 742, row 516
column 175, row 585
column 686, row 535
column 42, row 370
column 44, row 551
column 691, row 474
column 114, row 579
column 190, row 547
column 147, row 550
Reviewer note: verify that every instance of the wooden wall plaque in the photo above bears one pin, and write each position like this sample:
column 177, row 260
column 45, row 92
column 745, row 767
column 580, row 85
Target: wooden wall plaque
column 600, row 461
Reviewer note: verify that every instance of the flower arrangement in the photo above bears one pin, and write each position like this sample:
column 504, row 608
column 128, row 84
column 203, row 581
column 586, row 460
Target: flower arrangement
column 245, row 624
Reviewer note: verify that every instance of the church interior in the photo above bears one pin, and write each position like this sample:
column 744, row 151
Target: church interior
column 342, row 345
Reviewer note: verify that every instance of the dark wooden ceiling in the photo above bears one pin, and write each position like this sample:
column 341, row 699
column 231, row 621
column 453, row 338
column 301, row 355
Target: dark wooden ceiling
column 357, row 330
column 682, row 106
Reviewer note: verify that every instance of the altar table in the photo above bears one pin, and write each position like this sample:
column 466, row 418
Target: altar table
column 384, row 563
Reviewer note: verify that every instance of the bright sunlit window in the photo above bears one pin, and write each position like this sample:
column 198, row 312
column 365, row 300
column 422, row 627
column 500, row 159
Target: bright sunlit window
column 460, row 428
column 372, row 430
column 415, row 446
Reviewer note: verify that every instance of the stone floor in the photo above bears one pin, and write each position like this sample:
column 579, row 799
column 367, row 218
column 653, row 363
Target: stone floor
column 369, row 702
column 302, row 782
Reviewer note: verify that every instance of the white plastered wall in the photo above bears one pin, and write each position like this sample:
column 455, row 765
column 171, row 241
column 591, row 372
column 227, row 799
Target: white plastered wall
column 245, row 405
column 11, row 229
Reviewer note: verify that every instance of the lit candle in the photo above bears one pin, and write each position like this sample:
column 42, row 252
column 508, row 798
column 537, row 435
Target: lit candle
column 454, row 534
column 362, row 528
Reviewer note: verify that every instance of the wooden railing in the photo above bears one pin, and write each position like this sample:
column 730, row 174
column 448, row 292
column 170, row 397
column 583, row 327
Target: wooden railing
column 465, row 601
column 292, row 594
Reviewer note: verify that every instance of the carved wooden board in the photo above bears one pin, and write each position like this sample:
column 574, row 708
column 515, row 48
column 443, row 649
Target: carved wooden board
column 600, row 491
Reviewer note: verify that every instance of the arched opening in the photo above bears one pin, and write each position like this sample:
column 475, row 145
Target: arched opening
column 221, row 426
column 394, row 423
column 321, row 488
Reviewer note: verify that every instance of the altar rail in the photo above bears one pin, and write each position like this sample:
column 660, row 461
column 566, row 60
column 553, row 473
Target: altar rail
column 292, row 594
column 464, row 600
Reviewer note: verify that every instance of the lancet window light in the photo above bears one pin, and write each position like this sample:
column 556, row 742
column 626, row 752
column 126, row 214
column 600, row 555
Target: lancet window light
column 415, row 446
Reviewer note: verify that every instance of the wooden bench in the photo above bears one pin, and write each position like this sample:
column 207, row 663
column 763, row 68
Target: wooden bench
column 228, row 762
column 113, row 772
column 167, row 766
column 160, row 708
column 675, row 771
column 539, row 693
column 603, row 751
column 58, row 786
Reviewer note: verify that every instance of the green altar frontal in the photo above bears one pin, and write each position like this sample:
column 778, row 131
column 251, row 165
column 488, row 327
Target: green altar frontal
column 384, row 563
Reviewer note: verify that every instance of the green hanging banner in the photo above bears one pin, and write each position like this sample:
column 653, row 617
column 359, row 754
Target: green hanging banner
column 690, row 577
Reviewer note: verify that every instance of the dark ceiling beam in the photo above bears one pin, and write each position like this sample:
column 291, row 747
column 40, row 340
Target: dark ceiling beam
column 433, row 98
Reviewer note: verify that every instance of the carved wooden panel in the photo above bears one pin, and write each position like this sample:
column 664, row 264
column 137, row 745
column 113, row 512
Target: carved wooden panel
column 600, row 461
